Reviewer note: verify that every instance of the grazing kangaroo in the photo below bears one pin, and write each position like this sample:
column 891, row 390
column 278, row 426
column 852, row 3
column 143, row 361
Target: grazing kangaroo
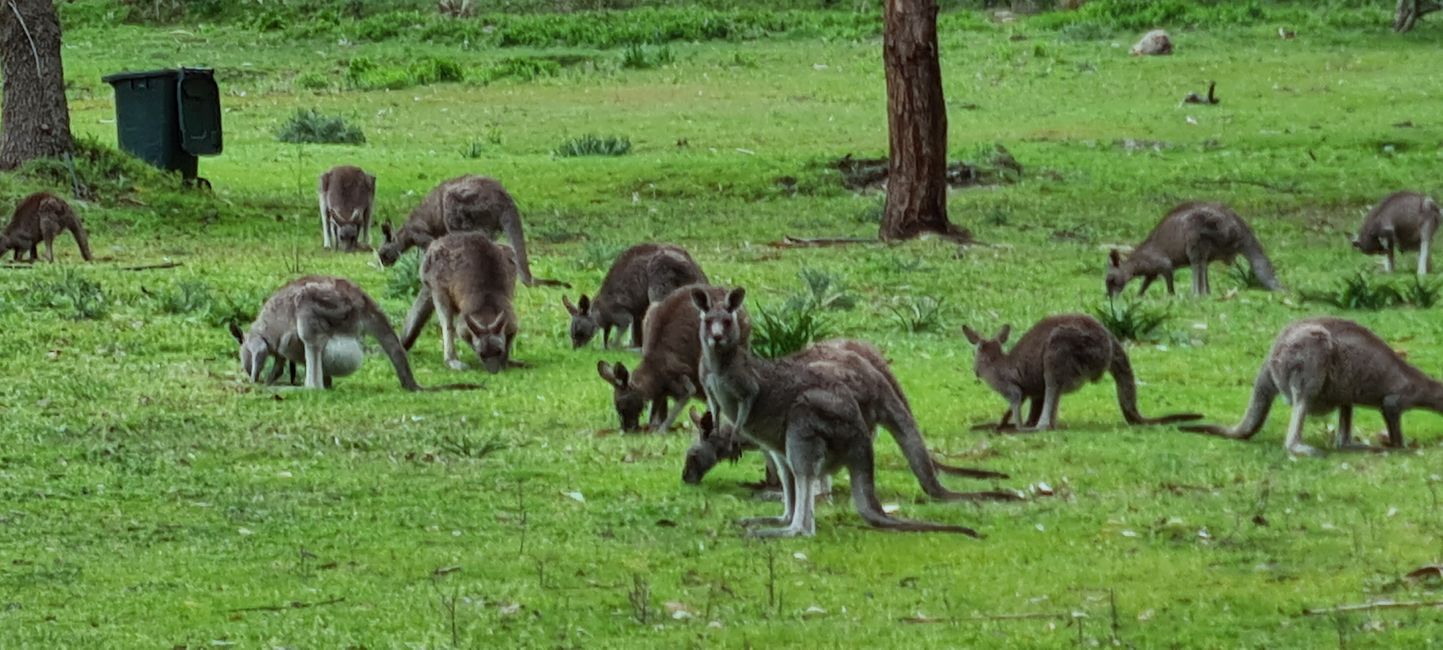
column 347, row 196
column 317, row 320
column 462, row 204
column 642, row 275
column 670, row 362
column 38, row 218
column 1404, row 221
column 1057, row 356
column 717, row 443
column 471, row 280
column 1193, row 234
column 808, row 416
column 1320, row 365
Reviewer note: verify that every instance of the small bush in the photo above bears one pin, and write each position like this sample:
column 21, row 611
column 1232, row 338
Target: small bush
column 779, row 333
column 638, row 57
column 431, row 70
column 1133, row 321
column 473, row 150
column 826, row 290
column 309, row 126
column 1420, row 293
column 185, row 297
column 918, row 315
column 103, row 172
column 519, row 69
column 1360, row 292
column 76, row 296
column 403, row 279
column 312, row 80
column 594, row 145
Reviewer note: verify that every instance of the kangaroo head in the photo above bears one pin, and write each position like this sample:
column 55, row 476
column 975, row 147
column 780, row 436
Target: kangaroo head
column 990, row 358
column 713, row 445
column 348, row 228
column 583, row 323
column 253, row 352
column 625, row 395
column 489, row 341
column 390, row 249
column 720, row 329
column 1117, row 277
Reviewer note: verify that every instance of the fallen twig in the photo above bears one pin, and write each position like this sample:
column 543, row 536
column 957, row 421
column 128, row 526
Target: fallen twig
column 1377, row 604
column 790, row 241
column 148, row 267
column 295, row 604
column 1244, row 181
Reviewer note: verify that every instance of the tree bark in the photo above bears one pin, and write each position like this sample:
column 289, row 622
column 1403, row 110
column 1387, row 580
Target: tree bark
column 1409, row 11
column 917, row 123
column 35, row 116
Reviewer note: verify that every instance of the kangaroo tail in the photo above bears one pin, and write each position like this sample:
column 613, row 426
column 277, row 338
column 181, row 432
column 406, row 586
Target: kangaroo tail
column 969, row 472
column 1264, row 392
column 378, row 326
column 1122, row 375
column 511, row 225
column 864, row 496
column 417, row 318
column 1252, row 249
column 898, row 421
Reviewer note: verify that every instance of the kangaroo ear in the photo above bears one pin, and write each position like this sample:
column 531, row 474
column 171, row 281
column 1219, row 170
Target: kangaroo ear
column 235, row 331
column 701, row 299
column 1004, row 333
column 570, row 308
column 621, row 374
column 497, row 323
column 696, row 419
column 474, row 325
column 605, row 371
column 971, row 335
column 1114, row 258
column 584, row 303
column 386, row 231
column 735, row 298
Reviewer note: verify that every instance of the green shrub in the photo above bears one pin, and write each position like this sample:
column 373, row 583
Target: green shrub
column 473, row 150
column 1361, row 292
column 638, row 57
column 71, row 293
column 918, row 315
column 309, row 126
column 103, row 172
column 826, row 290
column 594, row 145
column 403, row 279
column 519, row 69
column 1132, row 321
column 789, row 329
column 312, row 80
column 183, row 298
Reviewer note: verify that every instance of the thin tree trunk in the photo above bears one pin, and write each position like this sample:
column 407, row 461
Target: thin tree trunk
column 1409, row 11
column 36, row 118
column 917, row 122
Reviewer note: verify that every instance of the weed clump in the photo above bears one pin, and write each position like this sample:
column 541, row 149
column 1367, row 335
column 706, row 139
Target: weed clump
column 72, row 294
column 1131, row 321
column 638, row 57
column 778, row 333
column 309, row 126
column 1359, row 292
column 594, row 145
column 403, row 279
column 917, row 315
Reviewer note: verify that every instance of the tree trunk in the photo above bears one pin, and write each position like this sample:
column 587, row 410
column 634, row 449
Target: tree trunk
column 917, row 122
column 36, row 118
column 1409, row 11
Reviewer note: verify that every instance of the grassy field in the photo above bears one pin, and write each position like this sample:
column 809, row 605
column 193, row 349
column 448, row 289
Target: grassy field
column 151, row 498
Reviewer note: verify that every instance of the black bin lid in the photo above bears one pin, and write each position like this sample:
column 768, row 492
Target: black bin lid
column 152, row 74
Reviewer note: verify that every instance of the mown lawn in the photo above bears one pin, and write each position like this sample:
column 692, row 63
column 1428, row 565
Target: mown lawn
column 151, row 498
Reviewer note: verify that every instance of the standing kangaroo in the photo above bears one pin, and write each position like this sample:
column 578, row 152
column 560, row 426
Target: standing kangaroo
column 716, row 443
column 642, row 275
column 1320, row 365
column 1057, row 356
column 38, row 218
column 472, row 281
column 670, row 362
column 347, row 196
column 1404, row 221
column 810, row 416
column 1193, row 234
column 462, row 204
column 317, row 320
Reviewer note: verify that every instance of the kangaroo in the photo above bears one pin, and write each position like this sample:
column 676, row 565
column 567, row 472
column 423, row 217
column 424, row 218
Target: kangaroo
column 642, row 275
column 1153, row 43
column 472, row 282
column 1057, row 356
column 809, row 417
column 670, row 362
column 317, row 320
column 347, row 196
column 1404, row 221
column 462, row 204
column 38, row 218
column 1194, row 234
column 1320, row 365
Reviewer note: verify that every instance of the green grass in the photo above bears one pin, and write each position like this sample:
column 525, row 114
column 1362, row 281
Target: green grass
column 150, row 498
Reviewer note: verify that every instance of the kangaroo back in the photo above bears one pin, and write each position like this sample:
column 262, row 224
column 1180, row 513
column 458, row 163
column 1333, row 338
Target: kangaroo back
column 669, row 268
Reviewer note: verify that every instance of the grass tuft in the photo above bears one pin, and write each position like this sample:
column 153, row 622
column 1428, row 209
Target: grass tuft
column 918, row 315
column 594, row 145
column 778, row 333
column 1131, row 321
column 309, row 126
column 72, row 294
column 403, row 279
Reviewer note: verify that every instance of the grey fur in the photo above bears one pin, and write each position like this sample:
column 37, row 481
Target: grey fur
column 472, row 281
column 1404, row 221
column 670, row 362
column 347, row 197
column 1194, row 234
column 466, row 203
column 642, row 275
column 317, row 320
column 811, row 417
column 1059, row 355
column 1319, row 365
column 37, row 219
